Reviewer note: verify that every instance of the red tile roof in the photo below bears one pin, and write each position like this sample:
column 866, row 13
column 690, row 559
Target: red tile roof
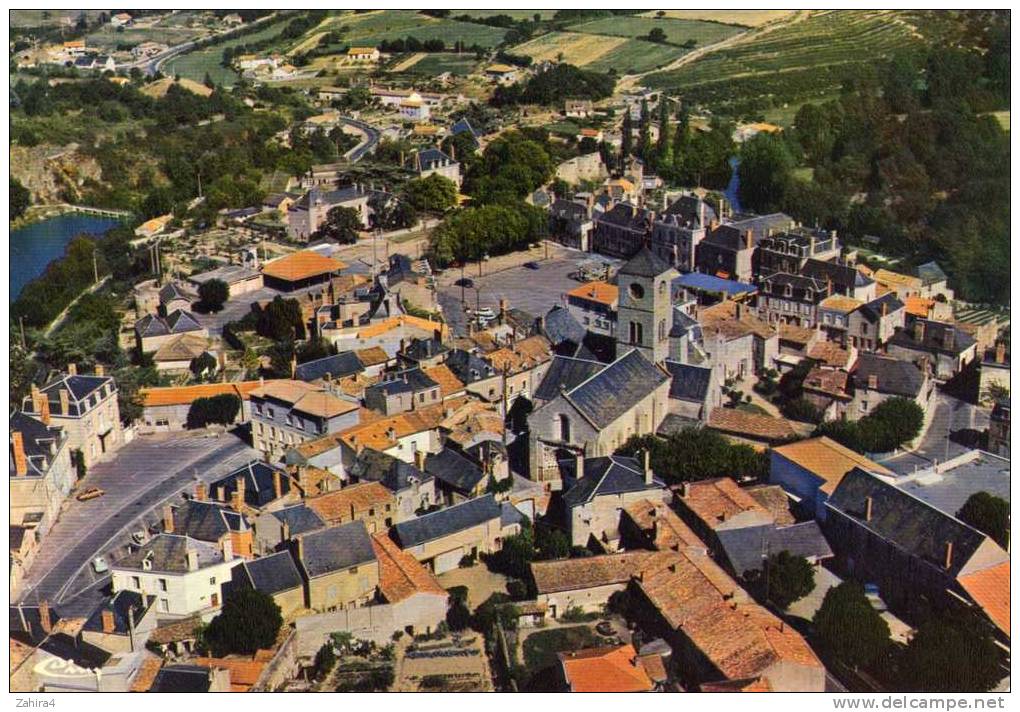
column 609, row 669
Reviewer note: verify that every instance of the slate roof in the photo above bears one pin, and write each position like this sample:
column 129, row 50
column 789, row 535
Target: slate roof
column 410, row 380
column 79, row 388
column 336, row 548
column 337, row 366
column 936, row 338
column 913, row 525
column 272, row 574
column 844, row 277
column 299, row 519
column 688, row 208
column 420, row 349
column 120, row 604
column 395, row 474
column 930, row 273
column 684, row 325
column 895, row 377
column 645, row 264
column 468, row 367
column 616, row 388
column 463, row 125
column 171, row 292
column 429, row 159
column 603, row 476
column 36, row 438
column 444, row 522
column 566, row 373
column 453, row 469
column 176, row 322
column 710, row 283
column 30, row 630
column 745, row 548
column 181, row 678
column 168, row 552
column 690, row 383
column 207, row 520
column 258, row 483
column 560, row 325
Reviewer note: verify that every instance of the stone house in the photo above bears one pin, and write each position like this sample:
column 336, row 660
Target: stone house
column 306, row 215
column 412, row 487
column 872, row 324
column 367, row 502
column 877, row 378
column 948, row 348
column 285, row 413
column 338, row 565
column 402, row 390
column 41, row 475
column 585, row 583
column 276, row 526
column 277, row 576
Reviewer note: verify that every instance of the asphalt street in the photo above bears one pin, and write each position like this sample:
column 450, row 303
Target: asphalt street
column 143, row 475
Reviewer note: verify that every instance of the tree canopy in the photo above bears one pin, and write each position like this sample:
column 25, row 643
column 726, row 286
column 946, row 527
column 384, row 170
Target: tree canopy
column 848, row 625
column 250, row 621
column 790, row 578
column 988, row 514
column 951, row 654
column 698, row 454
column 213, row 294
column 563, row 81
column 432, row 194
column 342, row 225
column 892, row 423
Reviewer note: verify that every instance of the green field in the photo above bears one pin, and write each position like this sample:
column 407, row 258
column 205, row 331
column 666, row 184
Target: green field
column 636, row 56
column 370, row 28
column 677, row 31
column 798, row 62
column 108, row 37
column 435, row 64
column 516, row 14
column 195, row 65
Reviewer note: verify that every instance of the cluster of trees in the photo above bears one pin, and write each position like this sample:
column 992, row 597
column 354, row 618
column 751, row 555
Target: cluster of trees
column 294, row 29
column 931, row 164
column 698, row 454
column 250, row 621
column 512, row 166
column 892, row 423
column 563, row 81
column 19, row 198
column 988, row 514
column 212, row 295
column 950, row 652
column 680, row 155
column 413, row 44
column 215, row 410
column 495, row 229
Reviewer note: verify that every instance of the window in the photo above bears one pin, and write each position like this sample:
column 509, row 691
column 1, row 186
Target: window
column 636, row 333
column 636, row 291
column 164, row 605
column 371, row 511
column 421, row 397
column 662, row 329
column 212, row 581
column 136, row 583
column 162, row 584
column 353, row 570
column 564, row 428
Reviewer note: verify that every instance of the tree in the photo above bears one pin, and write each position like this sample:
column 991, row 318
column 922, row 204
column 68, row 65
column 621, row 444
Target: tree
column 497, row 607
column 220, row 410
column 988, row 514
column 697, row 453
column 205, row 362
column 458, row 617
column 551, row 543
column 281, row 320
column 789, row 578
column 213, row 294
column 765, row 172
column 250, row 621
column 433, row 193
column 626, row 139
column 19, row 198
column 657, row 34
column 325, row 661
column 951, row 655
column 848, row 625
column 342, row 225
column 645, row 132
column 664, row 148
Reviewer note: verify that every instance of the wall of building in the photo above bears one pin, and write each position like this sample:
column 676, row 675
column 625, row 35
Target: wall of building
column 587, row 599
column 601, row 517
column 444, row 554
column 185, row 594
column 349, row 588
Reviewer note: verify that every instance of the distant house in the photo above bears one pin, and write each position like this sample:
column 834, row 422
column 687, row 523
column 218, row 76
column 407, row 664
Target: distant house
column 594, row 305
column 413, row 488
column 368, row 502
column 120, row 19
column 414, row 108
column 275, row 575
column 166, row 408
column 276, row 526
column 151, row 228
column 694, row 391
column 464, row 126
column 122, row 623
column 583, row 583
column 214, row 522
column 439, row 540
column 402, row 390
column 571, row 223
column 363, row 54
column 306, row 215
column 872, row 324
column 920, row 557
column 256, row 485
column 339, row 566
column 240, row 279
column 622, row 230
column 502, row 73
column 285, row 413
column 605, row 669
column 948, row 348
column 595, row 495
column 41, row 476
column 300, row 269
column 153, row 331
column 810, row 471
column 432, row 160
column 934, row 281
column 875, row 378
column 577, row 108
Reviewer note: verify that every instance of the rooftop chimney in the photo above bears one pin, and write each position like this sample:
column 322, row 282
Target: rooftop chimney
column 65, row 402
column 648, row 467
column 419, row 459
column 867, row 508
column 919, row 330
column 300, row 545
column 873, row 381
column 293, row 366
column 20, row 461
column 1000, row 353
column 100, row 370
column 221, row 494
column 168, row 519
column 192, row 555
column 949, row 554
column 43, row 409
column 236, row 500
column 885, row 309
column 749, row 238
column 277, row 485
column 72, row 369
column 227, row 546
column 44, row 616
column 201, row 491
column 108, row 624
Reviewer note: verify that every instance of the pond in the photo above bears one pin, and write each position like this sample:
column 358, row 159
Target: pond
column 34, row 246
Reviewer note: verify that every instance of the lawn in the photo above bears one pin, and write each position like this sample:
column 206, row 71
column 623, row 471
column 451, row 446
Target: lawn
column 434, row 64
column 677, row 31
column 195, row 65
column 745, row 18
column 540, row 648
column 798, row 62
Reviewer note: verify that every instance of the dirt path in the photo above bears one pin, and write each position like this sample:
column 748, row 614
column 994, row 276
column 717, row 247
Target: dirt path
column 631, row 80
column 406, row 64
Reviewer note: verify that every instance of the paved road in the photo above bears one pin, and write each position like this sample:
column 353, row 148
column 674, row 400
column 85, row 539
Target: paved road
column 951, row 422
column 372, row 135
column 144, row 474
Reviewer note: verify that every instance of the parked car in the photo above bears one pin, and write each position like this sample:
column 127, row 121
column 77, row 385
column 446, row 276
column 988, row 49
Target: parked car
column 140, row 537
column 531, row 265
column 486, row 313
column 464, row 282
column 99, row 565
column 90, row 493
column 605, row 628
column 874, row 596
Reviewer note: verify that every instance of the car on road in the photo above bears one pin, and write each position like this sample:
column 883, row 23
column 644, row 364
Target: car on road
column 605, row 628
column 140, row 537
column 90, row 493
column 485, row 313
column 464, row 282
column 531, row 265
column 99, row 565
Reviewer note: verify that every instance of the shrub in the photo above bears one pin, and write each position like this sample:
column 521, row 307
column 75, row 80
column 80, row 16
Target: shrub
column 213, row 294
column 221, row 410
column 989, row 514
column 250, row 621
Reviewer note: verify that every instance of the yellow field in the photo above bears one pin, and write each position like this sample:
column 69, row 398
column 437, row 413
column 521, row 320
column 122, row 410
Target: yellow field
column 406, row 64
column 747, row 18
column 577, row 49
column 1003, row 118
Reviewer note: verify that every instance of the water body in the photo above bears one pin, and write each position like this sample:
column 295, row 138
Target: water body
column 34, row 246
column 733, row 187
